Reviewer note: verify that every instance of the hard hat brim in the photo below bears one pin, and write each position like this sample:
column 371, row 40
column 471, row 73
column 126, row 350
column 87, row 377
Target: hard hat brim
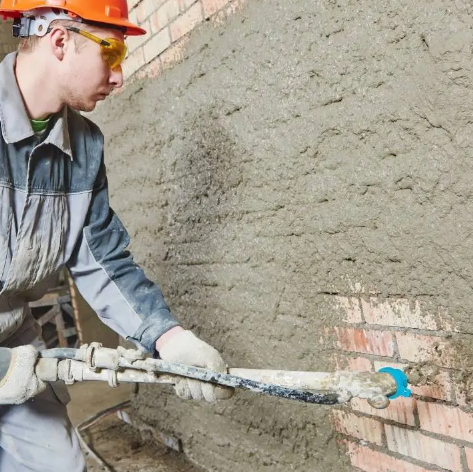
column 130, row 28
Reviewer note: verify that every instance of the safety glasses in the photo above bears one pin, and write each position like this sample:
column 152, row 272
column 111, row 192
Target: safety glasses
column 113, row 50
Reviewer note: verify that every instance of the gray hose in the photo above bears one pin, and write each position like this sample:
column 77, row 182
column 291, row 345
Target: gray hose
column 62, row 353
column 205, row 375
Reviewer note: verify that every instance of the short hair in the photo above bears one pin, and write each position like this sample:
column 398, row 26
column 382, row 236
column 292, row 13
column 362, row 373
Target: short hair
column 28, row 45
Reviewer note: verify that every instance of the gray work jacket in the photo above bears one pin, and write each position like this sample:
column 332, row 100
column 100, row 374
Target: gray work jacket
column 54, row 212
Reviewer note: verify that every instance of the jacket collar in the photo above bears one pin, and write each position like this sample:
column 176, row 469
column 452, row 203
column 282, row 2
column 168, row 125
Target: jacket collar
column 15, row 122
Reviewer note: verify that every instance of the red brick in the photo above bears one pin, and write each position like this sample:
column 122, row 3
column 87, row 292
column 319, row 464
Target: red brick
column 446, row 420
column 132, row 15
column 228, row 10
column 187, row 22
column 387, row 363
column 350, row 309
column 461, row 395
column 213, row 6
column 446, row 321
column 164, row 15
column 398, row 312
column 439, row 387
column 158, row 43
column 153, row 69
column 146, row 8
column 420, row 348
column 132, row 4
column 469, row 458
column 173, row 55
column 359, row 427
column 372, row 461
column 133, row 62
column 343, row 362
column 400, row 410
column 134, row 42
column 395, row 365
column 368, row 342
column 185, row 4
column 424, row 448
column 140, row 13
column 463, row 388
column 359, row 363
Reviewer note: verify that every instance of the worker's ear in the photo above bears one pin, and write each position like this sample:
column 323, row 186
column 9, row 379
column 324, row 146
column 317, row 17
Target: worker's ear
column 59, row 40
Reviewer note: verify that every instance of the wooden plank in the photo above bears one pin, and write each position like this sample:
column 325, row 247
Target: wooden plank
column 48, row 316
column 47, row 300
column 52, row 297
column 68, row 332
column 60, row 327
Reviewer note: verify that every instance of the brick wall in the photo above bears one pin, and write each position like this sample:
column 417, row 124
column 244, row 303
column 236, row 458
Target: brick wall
column 433, row 430
column 168, row 23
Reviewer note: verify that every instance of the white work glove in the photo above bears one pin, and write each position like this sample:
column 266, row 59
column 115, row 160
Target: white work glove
column 188, row 349
column 20, row 382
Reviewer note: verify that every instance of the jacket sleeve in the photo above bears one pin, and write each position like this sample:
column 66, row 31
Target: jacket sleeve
column 5, row 359
column 111, row 282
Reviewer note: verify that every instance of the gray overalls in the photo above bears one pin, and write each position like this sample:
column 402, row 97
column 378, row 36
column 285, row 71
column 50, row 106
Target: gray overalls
column 54, row 212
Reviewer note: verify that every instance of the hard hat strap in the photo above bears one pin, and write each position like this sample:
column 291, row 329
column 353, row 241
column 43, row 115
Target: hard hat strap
column 36, row 22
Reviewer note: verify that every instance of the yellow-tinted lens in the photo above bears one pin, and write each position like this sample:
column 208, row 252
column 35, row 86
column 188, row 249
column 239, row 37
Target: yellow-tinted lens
column 115, row 53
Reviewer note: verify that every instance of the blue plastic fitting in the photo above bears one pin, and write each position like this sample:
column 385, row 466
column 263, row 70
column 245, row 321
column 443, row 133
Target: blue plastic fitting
column 401, row 381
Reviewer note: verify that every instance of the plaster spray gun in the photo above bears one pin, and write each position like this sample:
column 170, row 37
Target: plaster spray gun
column 94, row 362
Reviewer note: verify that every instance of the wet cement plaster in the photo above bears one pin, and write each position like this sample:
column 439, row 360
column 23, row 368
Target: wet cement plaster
column 299, row 150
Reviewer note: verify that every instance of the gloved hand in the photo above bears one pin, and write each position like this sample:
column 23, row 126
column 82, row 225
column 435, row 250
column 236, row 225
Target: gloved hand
column 186, row 348
column 19, row 382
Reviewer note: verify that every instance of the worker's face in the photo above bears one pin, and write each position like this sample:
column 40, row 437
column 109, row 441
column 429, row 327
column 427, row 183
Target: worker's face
column 86, row 77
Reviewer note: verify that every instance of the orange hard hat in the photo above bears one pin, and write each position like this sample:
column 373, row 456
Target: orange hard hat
column 109, row 12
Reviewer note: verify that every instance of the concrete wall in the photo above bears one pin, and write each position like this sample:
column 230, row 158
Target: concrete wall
column 300, row 186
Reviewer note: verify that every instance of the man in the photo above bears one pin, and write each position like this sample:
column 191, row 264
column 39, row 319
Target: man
column 54, row 212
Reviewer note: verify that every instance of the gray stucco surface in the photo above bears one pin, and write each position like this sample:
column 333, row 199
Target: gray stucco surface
column 299, row 150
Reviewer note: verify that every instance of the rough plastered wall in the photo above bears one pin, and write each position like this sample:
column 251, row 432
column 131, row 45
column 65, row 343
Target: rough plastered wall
column 300, row 186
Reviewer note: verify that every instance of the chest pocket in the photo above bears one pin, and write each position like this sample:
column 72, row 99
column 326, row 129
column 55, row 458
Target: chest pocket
column 6, row 221
column 40, row 244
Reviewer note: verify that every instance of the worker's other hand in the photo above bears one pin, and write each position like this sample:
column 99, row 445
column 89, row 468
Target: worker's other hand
column 186, row 348
column 19, row 382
